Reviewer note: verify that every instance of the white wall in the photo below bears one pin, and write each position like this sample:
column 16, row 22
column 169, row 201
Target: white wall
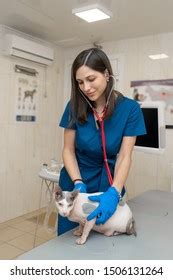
column 24, row 147
column 148, row 171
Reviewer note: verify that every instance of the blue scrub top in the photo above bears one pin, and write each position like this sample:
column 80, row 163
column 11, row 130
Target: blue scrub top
column 126, row 120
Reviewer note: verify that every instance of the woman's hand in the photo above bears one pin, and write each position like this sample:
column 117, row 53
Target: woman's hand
column 108, row 202
column 81, row 187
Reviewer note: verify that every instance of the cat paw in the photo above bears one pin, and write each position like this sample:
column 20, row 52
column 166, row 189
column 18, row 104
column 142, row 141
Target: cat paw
column 108, row 234
column 116, row 233
column 80, row 241
column 77, row 232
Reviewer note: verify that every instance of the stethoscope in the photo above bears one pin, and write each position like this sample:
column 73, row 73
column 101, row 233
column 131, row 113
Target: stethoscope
column 100, row 120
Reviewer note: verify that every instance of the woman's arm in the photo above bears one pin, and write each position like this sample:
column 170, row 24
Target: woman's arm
column 69, row 156
column 109, row 200
column 123, row 163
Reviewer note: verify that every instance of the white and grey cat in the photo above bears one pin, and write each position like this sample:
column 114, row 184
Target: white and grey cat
column 76, row 207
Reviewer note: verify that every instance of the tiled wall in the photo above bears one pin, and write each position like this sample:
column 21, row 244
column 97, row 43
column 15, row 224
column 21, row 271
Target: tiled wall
column 25, row 146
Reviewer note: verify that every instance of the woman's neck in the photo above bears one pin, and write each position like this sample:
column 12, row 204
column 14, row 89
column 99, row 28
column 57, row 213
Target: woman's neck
column 100, row 105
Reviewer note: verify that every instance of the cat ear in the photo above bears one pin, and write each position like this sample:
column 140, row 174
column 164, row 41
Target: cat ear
column 74, row 194
column 57, row 190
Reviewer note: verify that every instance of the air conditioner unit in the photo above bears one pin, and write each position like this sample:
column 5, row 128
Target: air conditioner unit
column 27, row 49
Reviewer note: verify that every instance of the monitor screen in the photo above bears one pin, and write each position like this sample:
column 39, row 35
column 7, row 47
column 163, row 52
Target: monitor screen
column 154, row 140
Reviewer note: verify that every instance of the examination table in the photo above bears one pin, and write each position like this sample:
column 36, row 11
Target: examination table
column 153, row 213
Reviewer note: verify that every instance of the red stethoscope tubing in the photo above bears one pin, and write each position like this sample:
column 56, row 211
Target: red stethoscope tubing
column 103, row 138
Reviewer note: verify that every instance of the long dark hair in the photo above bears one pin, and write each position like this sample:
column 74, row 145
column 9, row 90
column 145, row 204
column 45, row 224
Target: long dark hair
column 97, row 60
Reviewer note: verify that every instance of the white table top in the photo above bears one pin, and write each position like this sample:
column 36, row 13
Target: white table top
column 153, row 213
column 48, row 175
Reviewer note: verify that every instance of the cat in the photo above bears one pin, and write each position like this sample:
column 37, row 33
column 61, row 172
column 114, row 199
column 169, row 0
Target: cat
column 76, row 207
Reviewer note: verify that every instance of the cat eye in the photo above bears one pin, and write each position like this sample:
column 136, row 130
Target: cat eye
column 70, row 204
column 60, row 204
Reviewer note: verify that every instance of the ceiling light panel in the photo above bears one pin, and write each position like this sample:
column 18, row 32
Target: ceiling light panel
column 92, row 13
column 158, row 56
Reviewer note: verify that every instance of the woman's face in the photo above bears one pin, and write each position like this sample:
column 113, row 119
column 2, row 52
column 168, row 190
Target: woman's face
column 92, row 83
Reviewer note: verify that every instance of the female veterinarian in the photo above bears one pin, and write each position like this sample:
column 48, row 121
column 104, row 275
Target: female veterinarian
column 101, row 126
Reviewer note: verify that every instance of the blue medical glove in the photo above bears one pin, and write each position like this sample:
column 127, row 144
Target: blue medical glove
column 108, row 202
column 81, row 187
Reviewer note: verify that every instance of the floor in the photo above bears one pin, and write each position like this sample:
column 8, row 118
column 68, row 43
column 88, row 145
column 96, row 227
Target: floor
column 18, row 235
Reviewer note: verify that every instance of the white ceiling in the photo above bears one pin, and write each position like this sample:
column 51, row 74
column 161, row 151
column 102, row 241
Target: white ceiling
column 53, row 21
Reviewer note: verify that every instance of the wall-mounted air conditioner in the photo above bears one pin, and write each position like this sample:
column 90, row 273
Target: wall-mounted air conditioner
column 28, row 49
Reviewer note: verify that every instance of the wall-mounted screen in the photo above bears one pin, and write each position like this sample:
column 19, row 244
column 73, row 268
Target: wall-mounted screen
column 154, row 140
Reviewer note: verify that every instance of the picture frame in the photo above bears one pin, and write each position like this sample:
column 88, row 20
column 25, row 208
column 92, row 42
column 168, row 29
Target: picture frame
column 155, row 90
